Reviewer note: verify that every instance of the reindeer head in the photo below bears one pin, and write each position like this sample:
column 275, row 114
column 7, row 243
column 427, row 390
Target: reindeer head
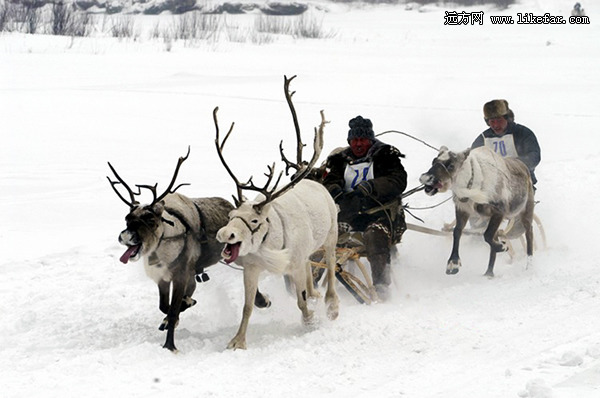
column 443, row 170
column 143, row 232
column 249, row 223
column 145, row 224
column 245, row 232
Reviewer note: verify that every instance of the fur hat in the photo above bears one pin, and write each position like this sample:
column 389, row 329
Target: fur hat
column 360, row 128
column 495, row 108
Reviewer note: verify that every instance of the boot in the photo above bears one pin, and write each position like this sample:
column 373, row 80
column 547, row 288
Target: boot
column 380, row 269
column 378, row 254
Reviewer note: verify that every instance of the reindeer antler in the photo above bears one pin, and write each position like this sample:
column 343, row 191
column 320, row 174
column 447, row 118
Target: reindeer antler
column 132, row 203
column 249, row 185
column 288, row 97
column 300, row 165
column 303, row 166
column 152, row 188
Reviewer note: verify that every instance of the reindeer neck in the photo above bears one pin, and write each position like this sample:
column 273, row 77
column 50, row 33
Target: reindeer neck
column 274, row 238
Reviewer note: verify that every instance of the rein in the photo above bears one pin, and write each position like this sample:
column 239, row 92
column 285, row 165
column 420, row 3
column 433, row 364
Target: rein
column 409, row 136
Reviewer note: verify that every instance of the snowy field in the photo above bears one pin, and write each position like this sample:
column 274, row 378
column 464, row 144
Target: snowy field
column 78, row 323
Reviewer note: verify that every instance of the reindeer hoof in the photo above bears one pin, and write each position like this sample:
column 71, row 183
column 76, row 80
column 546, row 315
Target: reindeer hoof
column 187, row 302
column 163, row 325
column 171, row 347
column 529, row 263
column 502, row 245
column 452, row 267
column 333, row 311
column 237, row 343
column 309, row 319
column 489, row 274
column 261, row 300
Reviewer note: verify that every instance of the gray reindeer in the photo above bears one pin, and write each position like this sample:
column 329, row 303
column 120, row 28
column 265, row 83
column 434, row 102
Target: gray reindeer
column 487, row 184
column 176, row 237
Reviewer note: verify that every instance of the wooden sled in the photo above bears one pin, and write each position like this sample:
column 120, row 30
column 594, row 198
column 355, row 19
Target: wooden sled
column 348, row 253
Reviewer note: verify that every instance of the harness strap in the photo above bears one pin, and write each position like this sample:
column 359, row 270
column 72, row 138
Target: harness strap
column 200, row 236
column 470, row 183
column 203, row 235
column 253, row 231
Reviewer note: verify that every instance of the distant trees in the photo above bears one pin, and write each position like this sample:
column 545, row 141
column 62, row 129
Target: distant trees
column 35, row 16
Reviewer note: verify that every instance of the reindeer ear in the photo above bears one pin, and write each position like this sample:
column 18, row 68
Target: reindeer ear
column 443, row 149
column 158, row 207
column 262, row 208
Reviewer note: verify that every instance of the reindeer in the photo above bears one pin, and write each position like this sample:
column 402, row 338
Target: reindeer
column 487, row 184
column 280, row 229
column 176, row 237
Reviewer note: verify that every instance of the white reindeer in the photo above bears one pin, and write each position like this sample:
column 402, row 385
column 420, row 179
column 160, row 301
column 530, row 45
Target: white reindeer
column 279, row 230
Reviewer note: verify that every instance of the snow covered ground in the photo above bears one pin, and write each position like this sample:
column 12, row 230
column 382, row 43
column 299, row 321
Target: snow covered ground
column 77, row 322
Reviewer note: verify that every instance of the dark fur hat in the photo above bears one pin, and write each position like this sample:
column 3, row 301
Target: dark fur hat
column 495, row 108
column 360, row 128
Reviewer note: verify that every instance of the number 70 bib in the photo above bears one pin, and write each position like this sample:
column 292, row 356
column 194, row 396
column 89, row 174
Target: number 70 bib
column 503, row 146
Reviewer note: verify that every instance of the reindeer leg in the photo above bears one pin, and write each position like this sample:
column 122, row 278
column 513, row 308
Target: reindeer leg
column 179, row 285
column 454, row 261
column 527, row 220
column 529, row 240
column 495, row 246
column 251, row 273
column 188, row 301
column 311, row 290
column 163, row 304
column 299, row 278
column 331, row 297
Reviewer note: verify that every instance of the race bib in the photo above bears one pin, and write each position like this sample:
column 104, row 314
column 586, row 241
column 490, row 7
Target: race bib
column 503, row 146
column 356, row 173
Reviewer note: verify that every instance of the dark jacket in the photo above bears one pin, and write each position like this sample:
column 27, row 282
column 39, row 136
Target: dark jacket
column 525, row 141
column 389, row 177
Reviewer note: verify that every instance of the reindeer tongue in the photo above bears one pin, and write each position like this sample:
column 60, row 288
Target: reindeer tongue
column 231, row 252
column 131, row 250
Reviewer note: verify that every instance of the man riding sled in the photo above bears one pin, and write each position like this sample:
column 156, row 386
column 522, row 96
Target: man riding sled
column 366, row 180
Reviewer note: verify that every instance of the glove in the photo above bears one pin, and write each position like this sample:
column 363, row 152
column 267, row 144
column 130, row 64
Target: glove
column 350, row 205
column 364, row 189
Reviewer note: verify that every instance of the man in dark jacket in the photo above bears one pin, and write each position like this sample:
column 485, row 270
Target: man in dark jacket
column 507, row 138
column 366, row 179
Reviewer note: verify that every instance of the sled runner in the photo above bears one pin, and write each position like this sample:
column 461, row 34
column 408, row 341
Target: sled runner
column 348, row 262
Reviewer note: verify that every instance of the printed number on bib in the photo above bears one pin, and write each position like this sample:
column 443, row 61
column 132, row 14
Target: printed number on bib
column 356, row 173
column 503, row 146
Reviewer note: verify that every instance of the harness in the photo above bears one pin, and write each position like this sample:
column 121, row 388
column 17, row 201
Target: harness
column 253, row 230
column 200, row 237
column 470, row 183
